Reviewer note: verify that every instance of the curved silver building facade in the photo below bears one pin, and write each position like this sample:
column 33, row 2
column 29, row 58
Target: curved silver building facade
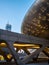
column 36, row 21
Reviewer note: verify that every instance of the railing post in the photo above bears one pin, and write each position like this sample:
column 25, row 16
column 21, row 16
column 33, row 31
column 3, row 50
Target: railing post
column 15, row 54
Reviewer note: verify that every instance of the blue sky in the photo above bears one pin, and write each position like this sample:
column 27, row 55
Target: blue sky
column 13, row 11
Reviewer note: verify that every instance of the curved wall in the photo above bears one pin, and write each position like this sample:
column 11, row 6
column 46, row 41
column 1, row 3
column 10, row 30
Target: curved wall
column 36, row 21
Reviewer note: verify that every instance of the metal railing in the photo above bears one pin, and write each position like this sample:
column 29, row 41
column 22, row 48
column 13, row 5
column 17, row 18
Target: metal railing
column 11, row 43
